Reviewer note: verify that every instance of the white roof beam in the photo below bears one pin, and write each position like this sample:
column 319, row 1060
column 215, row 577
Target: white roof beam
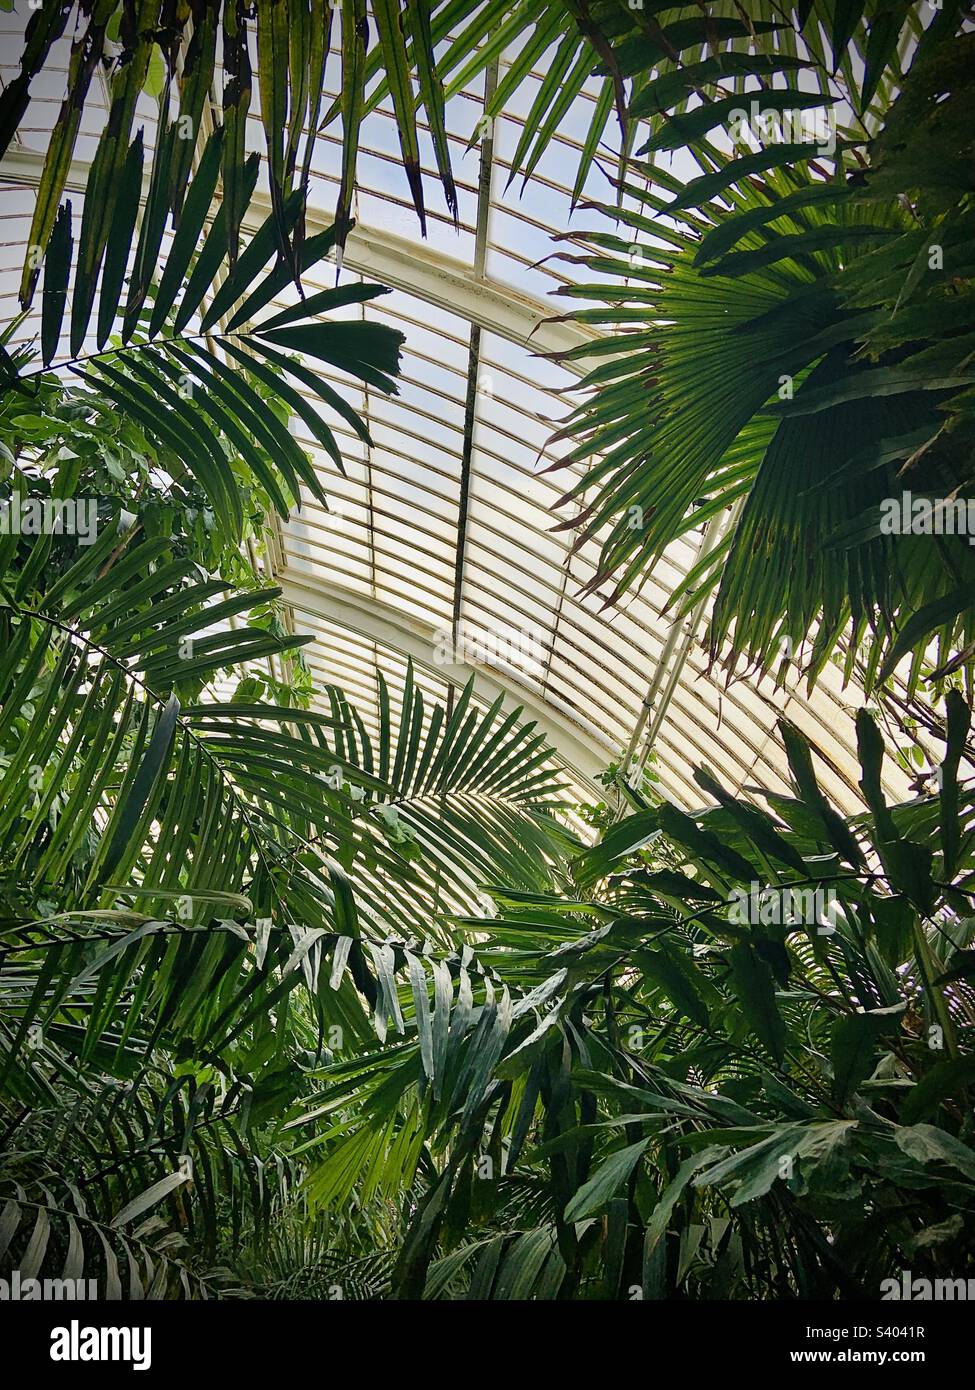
column 442, row 281
column 389, row 627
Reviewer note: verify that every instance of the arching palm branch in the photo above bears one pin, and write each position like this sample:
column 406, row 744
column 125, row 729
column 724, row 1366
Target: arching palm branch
column 792, row 334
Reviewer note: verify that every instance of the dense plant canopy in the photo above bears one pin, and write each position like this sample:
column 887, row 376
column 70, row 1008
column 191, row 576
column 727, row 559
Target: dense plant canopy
column 292, row 1009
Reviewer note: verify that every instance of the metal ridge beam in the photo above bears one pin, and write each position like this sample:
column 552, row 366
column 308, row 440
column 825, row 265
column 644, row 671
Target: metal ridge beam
column 442, row 281
column 381, row 623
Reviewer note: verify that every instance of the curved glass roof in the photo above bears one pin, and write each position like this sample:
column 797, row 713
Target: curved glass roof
column 439, row 543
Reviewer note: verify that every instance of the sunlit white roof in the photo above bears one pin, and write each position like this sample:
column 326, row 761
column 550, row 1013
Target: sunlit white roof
column 445, row 525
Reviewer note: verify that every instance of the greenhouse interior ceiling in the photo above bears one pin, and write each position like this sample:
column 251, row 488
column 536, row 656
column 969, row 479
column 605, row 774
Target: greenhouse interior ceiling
column 488, row 630
column 439, row 540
